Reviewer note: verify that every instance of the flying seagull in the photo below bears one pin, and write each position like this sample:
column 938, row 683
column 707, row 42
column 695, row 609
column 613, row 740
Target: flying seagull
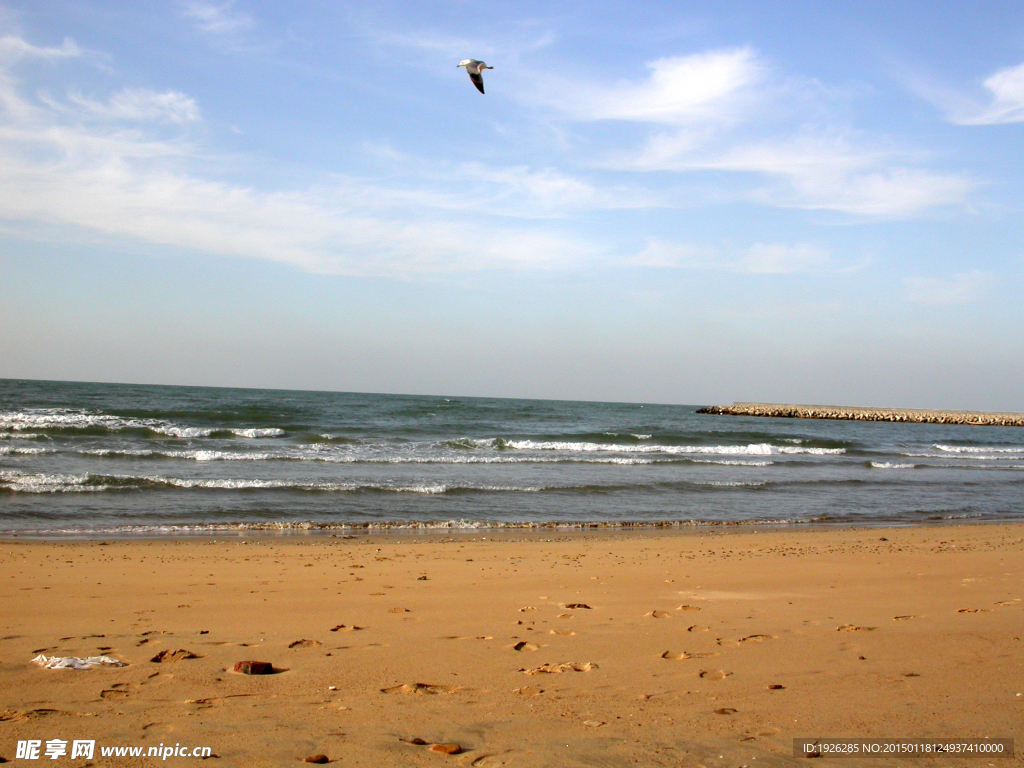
column 475, row 69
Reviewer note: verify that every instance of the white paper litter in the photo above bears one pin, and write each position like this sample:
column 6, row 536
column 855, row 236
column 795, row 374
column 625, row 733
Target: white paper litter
column 75, row 662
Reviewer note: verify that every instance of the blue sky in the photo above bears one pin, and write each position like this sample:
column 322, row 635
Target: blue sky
column 673, row 202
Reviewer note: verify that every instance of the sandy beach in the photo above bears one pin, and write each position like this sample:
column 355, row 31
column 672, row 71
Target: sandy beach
column 712, row 647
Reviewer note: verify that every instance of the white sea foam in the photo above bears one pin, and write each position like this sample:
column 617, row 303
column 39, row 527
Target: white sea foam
column 264, row 432
column 104, row 452
column 891, row 465
column 733, row 462
column 64, row 418
column 735, row 483
column 178, row 431
column 193, row 455
column 22, row 482
column 376, row 455
column 753, row 449
column 200, row 455
column 972, row 450
column 424, row 488
column 6, row 450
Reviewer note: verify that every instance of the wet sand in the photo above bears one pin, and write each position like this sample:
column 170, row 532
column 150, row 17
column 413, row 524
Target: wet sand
column 669, row 649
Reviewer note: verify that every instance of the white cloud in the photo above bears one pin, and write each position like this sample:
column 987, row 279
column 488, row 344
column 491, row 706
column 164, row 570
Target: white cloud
column 56, row 170
column 959, row 289
column 680, row 90
column 759, row 259
column 1007, row 102
column 103, row 187
column 143, row 104
column 218, row 18
column 816, row 170
column 726, row 111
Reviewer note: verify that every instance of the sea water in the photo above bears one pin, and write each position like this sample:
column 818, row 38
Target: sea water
column 106, row 459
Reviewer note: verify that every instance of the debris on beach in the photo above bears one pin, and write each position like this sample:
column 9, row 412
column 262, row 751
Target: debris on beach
column 676, row 656
column 550, row 669
column 75, row 662
column 254, row 667
column 166, row 657
column 714, row 674
column 316, row 759
column 421, row 688
column 852, row 628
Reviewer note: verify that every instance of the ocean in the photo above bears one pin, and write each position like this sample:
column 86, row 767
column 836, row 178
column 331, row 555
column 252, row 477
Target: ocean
column 80, row 459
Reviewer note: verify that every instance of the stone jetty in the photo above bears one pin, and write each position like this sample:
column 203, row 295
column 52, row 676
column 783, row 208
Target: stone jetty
column 854, row 413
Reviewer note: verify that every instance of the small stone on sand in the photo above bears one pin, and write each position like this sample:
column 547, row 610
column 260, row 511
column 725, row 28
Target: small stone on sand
column 316, row 759
column 254, row 667
column 446, row 749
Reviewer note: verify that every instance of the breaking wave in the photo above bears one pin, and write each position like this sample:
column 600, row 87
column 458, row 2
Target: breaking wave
column 64, row 419
column 753, row 449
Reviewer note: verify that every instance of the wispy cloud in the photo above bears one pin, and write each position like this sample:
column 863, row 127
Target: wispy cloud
column 124, row 182
column 142, row 104
column 14, row 48
column 961, row 288
column 436, row 49
column 758, row 259
column 218, row 18
column 1002, row 103
column 721, row 111
column 511, row 191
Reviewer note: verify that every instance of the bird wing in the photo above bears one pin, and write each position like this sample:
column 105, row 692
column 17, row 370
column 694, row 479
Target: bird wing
column 478, row 81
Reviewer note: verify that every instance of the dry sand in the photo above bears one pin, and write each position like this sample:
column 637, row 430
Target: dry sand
column 645, row 639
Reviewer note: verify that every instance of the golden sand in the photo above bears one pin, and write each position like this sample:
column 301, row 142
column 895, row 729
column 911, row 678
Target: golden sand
column 670, row 649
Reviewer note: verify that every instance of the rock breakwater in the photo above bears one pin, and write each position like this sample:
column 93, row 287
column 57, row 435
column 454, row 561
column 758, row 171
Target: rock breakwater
column 854, row 413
